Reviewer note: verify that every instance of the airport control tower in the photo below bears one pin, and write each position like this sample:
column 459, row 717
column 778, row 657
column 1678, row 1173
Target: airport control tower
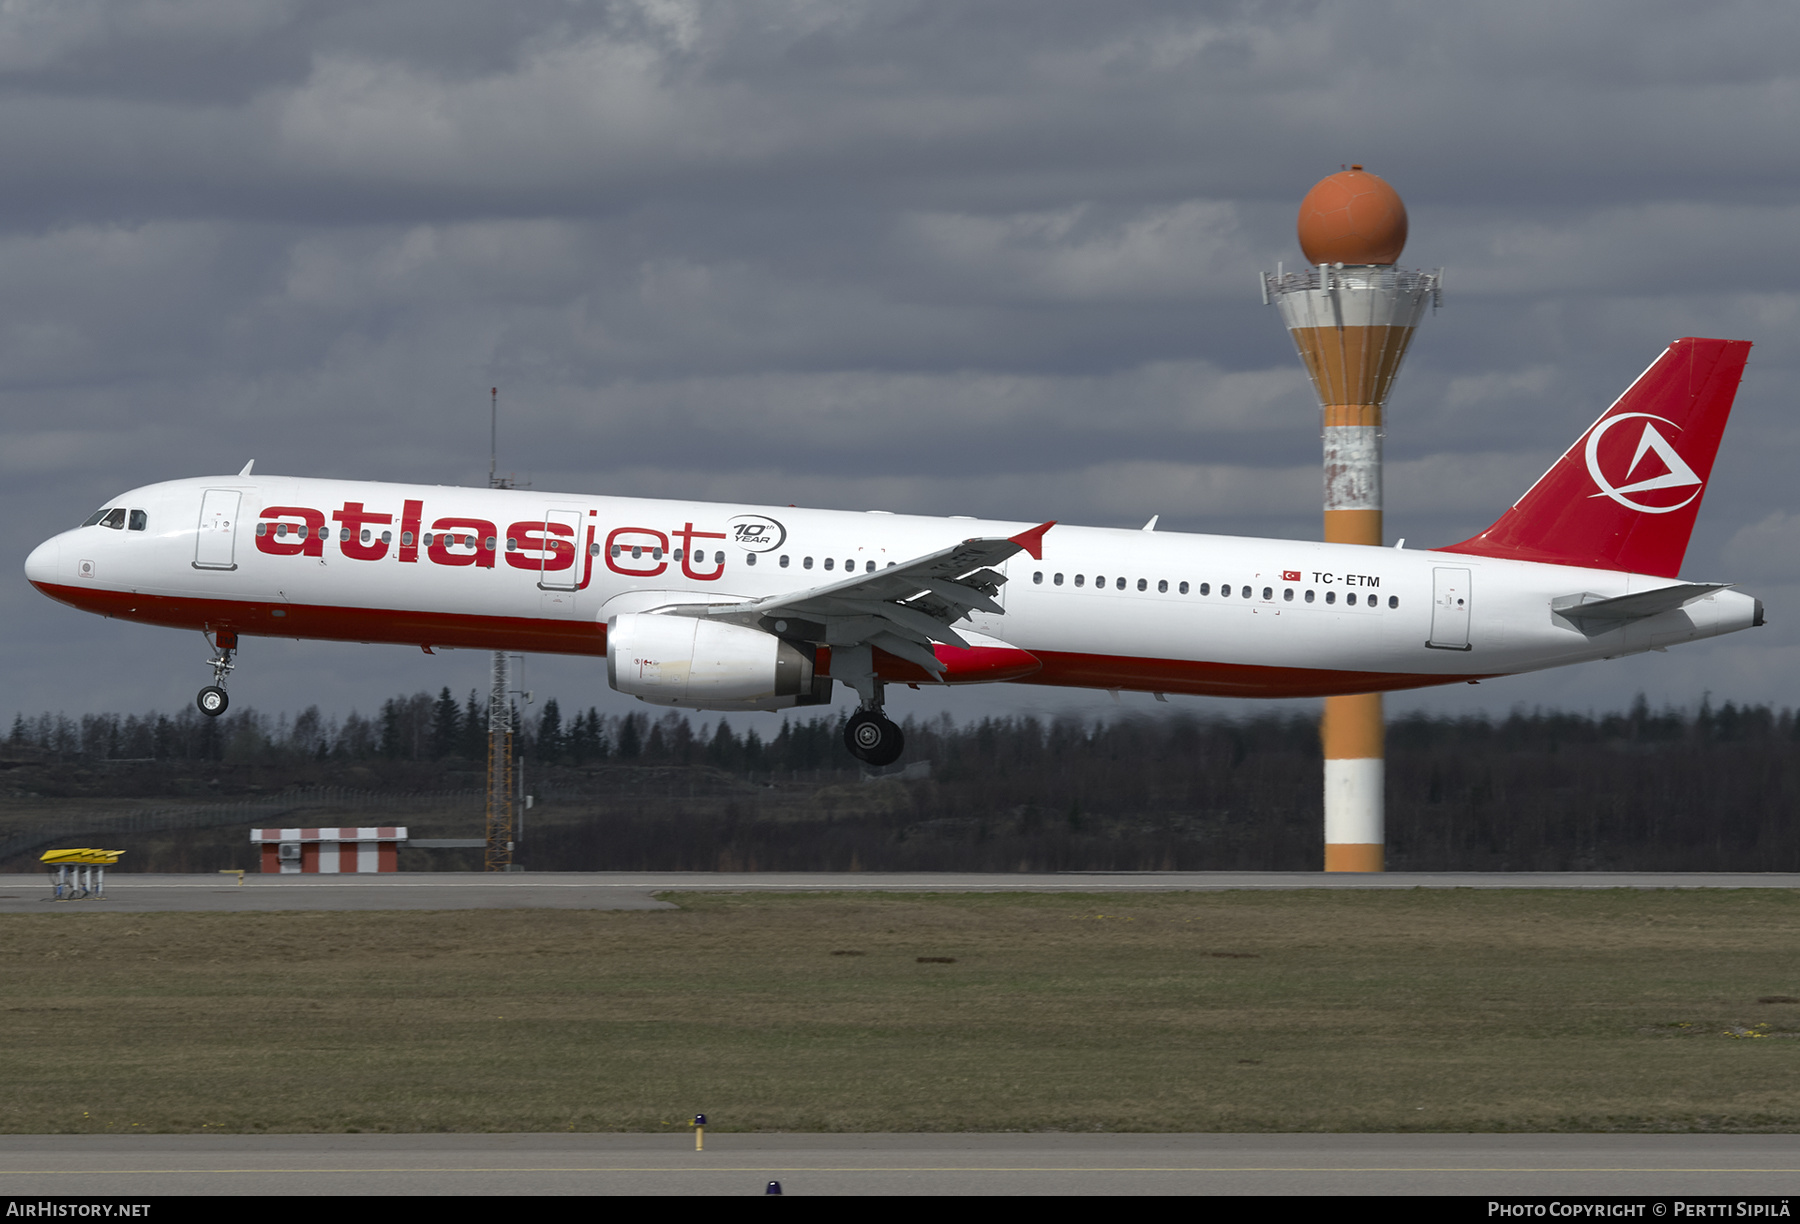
column 1352, row 314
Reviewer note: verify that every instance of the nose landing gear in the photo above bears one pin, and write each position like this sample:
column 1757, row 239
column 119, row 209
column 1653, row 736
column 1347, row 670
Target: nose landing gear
column 213, row 699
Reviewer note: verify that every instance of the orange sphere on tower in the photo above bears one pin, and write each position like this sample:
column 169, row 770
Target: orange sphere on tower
column 1352, row 217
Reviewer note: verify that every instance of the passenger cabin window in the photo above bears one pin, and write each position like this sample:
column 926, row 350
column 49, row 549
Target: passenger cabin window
column 1268, row 592
column 1057, row 580
column 1309, row 597
column 1037, row 577
column 1205, row 588
column 1079, row 579
column 1162, row 587
column 806, row 563
column 1184, row 588
column 1120, row 584
column 784, row 560
column 830, row 561
column 1330, row 597
column 1224, row 591
column 1393, row 601
column 749, row 558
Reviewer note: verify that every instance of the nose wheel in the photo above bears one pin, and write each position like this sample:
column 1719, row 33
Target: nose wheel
column 873, row 738
column 213, row 699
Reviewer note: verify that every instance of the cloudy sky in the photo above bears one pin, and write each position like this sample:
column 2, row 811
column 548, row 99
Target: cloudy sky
column 980, row 258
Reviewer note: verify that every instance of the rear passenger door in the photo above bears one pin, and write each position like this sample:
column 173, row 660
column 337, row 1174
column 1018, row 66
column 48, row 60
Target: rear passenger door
column 1450, row 609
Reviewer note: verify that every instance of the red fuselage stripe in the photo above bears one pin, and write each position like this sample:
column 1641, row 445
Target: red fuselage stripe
column 587, row 637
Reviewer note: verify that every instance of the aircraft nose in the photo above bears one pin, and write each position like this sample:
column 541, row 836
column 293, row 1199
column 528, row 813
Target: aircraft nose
column 42, row 565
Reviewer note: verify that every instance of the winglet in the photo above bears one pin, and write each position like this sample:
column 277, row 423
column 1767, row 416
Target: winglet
column 1033, row 541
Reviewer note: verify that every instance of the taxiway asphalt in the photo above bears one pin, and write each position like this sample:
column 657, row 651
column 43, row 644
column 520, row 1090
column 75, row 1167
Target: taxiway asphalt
column 128, row 892
column 734, row 1164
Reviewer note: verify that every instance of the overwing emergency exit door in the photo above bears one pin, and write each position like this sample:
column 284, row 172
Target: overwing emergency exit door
column 564, row 559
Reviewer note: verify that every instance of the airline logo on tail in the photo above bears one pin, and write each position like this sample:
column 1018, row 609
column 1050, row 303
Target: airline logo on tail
column 1676, row 474
column 1654, row 490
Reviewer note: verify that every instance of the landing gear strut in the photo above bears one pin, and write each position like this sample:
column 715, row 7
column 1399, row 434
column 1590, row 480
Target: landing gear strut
column 873, row 738
column 212, row 699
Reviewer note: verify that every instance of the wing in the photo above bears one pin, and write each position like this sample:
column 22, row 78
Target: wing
column 902, row 609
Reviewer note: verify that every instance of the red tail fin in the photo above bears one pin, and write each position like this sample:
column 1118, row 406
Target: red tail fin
column 1624, row 497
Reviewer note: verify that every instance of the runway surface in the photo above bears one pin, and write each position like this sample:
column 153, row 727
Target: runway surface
column 142, row 893
column 1567, row 1165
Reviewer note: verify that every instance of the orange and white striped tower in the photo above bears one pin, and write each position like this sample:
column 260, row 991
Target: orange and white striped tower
column 1352, row 314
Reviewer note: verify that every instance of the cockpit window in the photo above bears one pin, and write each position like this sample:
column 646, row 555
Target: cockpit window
column 139, row 520
column 115, row 519
column 95, row 517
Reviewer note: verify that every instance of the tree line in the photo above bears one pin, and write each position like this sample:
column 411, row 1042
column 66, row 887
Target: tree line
column 1717, row 788
column 422, row 728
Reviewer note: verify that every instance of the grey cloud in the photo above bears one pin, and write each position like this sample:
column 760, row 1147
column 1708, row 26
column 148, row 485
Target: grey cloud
column 999, row 257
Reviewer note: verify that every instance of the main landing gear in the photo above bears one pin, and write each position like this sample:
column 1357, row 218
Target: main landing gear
column 212, row 699
column 873, row 738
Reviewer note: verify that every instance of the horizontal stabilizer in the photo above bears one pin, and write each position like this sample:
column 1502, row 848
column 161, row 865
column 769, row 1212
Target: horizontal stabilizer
column 1586, row 607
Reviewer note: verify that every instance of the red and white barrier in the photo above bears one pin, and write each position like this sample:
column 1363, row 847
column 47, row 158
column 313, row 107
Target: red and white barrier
column 367, row 848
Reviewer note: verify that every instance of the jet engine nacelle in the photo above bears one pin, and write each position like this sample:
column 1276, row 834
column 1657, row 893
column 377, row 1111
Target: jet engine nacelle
column 705, row 665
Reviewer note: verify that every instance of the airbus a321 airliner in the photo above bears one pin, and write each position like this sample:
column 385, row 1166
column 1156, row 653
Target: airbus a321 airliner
column 738, row 607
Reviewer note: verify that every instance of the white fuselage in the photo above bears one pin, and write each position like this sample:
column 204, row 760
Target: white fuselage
column 1104, row 608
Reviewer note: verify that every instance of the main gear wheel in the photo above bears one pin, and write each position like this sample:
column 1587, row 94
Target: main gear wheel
column 873, row 738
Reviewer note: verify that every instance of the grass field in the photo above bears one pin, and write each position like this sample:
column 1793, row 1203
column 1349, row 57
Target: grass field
column 1380, row 1011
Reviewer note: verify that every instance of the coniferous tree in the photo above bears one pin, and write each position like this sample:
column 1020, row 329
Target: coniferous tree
column 390, row 729
column 550, row 743
column 446, row 726
column 474, row 729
